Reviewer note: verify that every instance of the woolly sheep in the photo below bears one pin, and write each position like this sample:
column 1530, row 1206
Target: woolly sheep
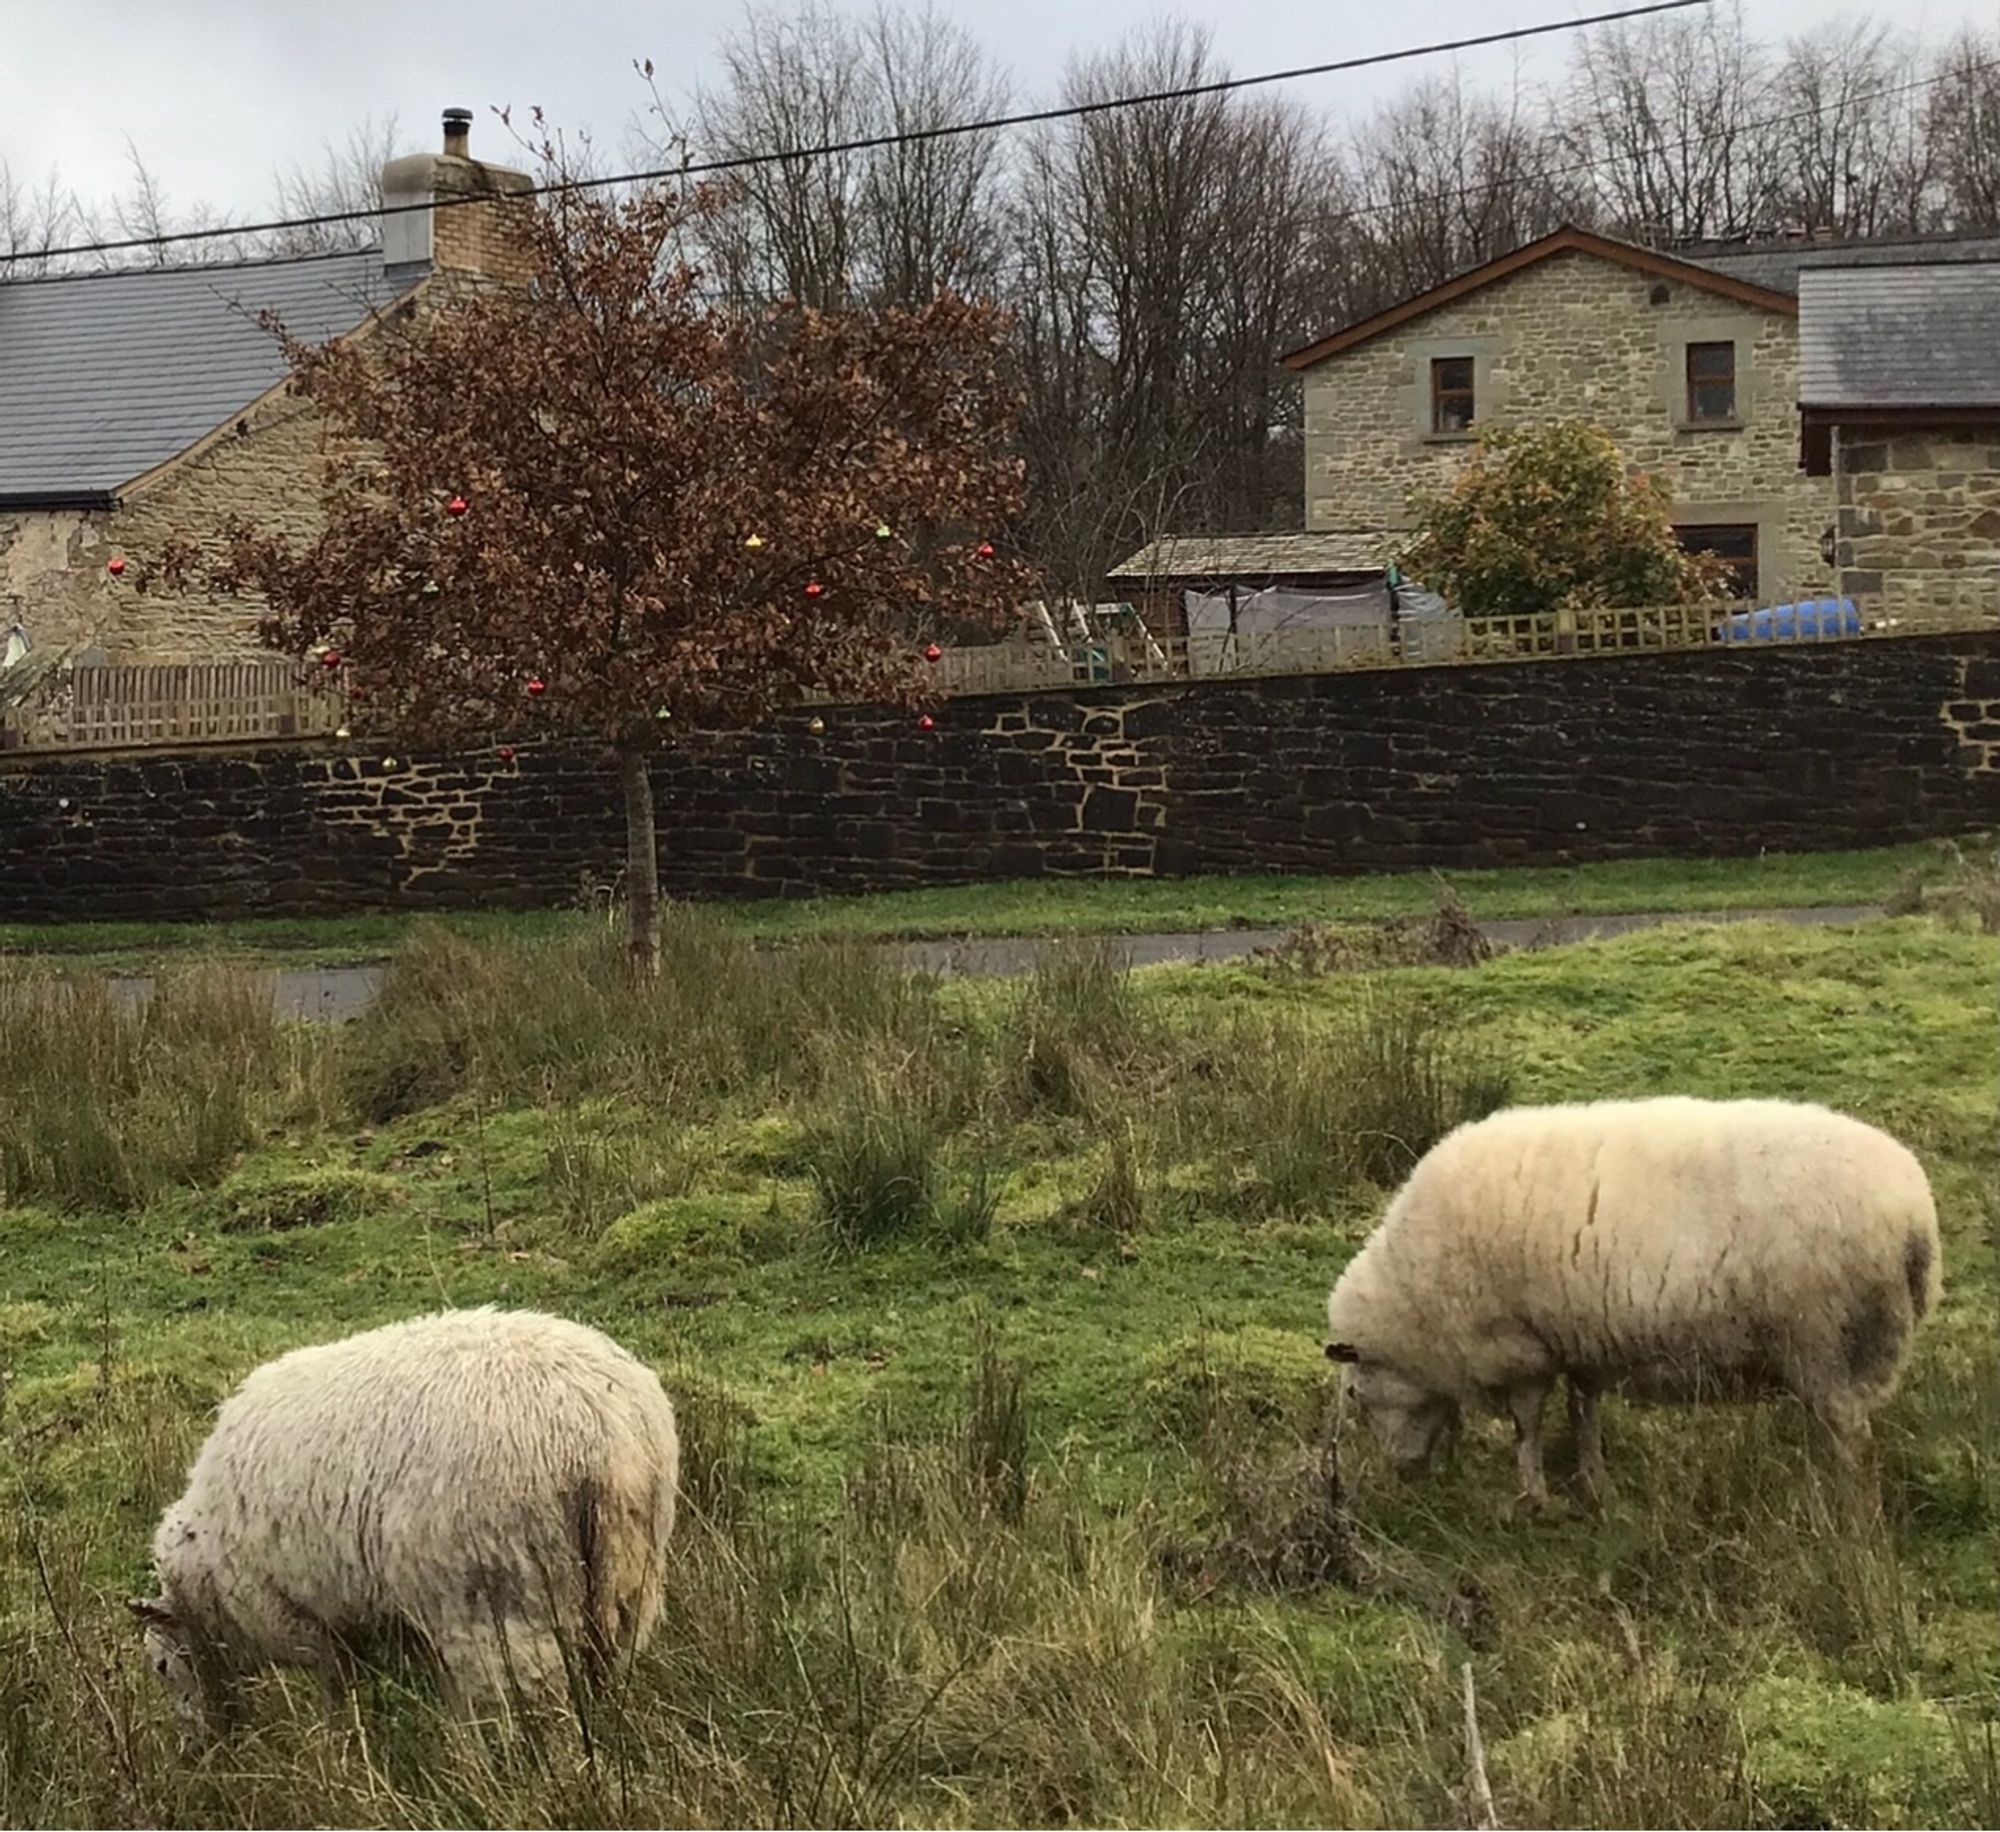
column 1678, row 1248
column 498, row 1485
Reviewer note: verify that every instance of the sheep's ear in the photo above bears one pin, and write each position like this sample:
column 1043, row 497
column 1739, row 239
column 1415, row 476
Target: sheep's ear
column 151, row 1609
column 1342, row 1351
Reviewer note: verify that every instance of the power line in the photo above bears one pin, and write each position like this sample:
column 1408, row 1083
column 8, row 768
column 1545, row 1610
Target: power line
column 879, row 142
column 1020, row 269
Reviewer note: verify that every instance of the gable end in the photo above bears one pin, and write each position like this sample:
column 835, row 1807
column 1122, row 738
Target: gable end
column 1530, row 254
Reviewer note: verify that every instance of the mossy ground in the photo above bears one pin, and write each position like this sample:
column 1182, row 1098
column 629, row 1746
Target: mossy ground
column 861, row 1631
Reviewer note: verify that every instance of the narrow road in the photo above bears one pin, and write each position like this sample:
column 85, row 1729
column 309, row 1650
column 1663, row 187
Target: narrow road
column 334, row 994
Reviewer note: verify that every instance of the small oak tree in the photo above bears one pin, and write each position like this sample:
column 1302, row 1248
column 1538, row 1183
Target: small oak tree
column 603, row 509
column 1550, row 518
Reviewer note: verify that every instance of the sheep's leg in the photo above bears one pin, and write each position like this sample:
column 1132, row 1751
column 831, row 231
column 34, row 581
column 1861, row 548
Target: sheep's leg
column 1589, row 1438
column 488, row 1668
column 1853, row 1438
column 1525, row 1404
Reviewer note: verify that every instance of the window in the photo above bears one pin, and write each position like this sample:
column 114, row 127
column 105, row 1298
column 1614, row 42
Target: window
column 1711, row 379
column 1735, row 544
column 1451, row 394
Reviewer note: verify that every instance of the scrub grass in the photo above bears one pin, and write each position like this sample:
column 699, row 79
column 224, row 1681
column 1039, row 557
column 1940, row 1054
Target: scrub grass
column 1052, row 906
column 993, row 1310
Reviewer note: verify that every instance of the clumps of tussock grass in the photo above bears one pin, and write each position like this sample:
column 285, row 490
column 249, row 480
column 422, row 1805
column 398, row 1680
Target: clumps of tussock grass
column 1447, row 937
column 1960, row 883
column 603, row 1159
column 879, row 1161
column 1077, row 1032
column 995, row 1430
column 108, row 1101
column 1254, row 1409
column 562, row 1018
column 1311, row 1110
column 904, row 1651
column 1117, row 1201
column 715, row 1429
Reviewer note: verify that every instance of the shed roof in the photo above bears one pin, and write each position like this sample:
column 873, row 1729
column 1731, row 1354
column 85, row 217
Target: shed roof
column 105, row 376
column 1900, row 337
column 1260, row 556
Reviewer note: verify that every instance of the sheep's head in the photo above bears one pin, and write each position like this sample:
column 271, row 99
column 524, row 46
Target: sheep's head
column 1406, row 1417
column 170, row 1653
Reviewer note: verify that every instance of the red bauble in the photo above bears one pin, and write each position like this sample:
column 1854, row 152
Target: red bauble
column 537, row 686
column 926, row 724
column 457, row 506
column 932, row 652
column 506, row 753
column 330, row 658
column 814, row 589
column 986, row 550
column 115, row 565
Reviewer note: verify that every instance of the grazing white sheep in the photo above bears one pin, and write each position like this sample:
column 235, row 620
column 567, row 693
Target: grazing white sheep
column 497, row 1485
column 1678, row 1248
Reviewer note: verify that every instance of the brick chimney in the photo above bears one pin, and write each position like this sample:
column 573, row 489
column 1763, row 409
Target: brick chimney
column 482, row 240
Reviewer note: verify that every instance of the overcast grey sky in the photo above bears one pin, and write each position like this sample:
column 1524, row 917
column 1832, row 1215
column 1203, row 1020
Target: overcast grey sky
column 216, row 93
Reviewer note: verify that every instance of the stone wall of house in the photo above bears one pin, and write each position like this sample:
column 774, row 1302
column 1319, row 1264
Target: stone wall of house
column 1705, row 753
column 1576, row 336
column 263, row 467
column 1919, row 521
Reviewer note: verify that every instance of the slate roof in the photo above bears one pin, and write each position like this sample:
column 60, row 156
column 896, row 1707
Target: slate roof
column 104, row 376
column 1258, row 556
column 1779, row 264
column 1925, row 336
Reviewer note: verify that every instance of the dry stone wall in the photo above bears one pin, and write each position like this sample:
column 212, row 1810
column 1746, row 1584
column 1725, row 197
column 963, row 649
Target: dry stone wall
column 1712, row 753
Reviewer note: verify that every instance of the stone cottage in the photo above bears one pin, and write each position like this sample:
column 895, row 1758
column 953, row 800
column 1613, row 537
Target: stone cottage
column 1899, row 403
column 1690, row 360
column 149, row 401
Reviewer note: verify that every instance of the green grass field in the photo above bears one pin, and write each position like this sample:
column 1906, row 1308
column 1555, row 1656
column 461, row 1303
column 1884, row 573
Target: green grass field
column 1058, row 906
column 993, row 1312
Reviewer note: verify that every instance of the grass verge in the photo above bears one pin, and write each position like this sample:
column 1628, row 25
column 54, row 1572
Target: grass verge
column 1059, row 906
column 1028, row 1518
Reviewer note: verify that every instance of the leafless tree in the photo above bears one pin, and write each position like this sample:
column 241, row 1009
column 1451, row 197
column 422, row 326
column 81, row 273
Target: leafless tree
column 889, row 225
column 1157, row 272
column 791, row 80
column 1962, row 126
column 34, row 218
column 1855, row 156
column 347, row 178
column 929, row 211
column 1444, row 179
column 1672, row 117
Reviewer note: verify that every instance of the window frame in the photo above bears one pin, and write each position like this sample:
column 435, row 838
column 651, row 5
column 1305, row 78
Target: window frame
column 1441, row 394
column 1745, row 566
column 1693, row 384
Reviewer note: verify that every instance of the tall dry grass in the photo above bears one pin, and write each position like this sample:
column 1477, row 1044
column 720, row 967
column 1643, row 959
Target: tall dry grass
column 109, row 1100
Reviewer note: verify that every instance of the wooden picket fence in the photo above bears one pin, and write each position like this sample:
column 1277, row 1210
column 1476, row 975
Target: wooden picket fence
column 115, row 706
column 1459, row 641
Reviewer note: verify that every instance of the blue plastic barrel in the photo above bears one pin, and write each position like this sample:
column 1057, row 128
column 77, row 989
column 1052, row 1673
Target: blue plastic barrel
column 1801, row 622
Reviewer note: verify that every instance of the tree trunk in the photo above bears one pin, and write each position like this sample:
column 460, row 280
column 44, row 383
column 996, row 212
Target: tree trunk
column 642, row 864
